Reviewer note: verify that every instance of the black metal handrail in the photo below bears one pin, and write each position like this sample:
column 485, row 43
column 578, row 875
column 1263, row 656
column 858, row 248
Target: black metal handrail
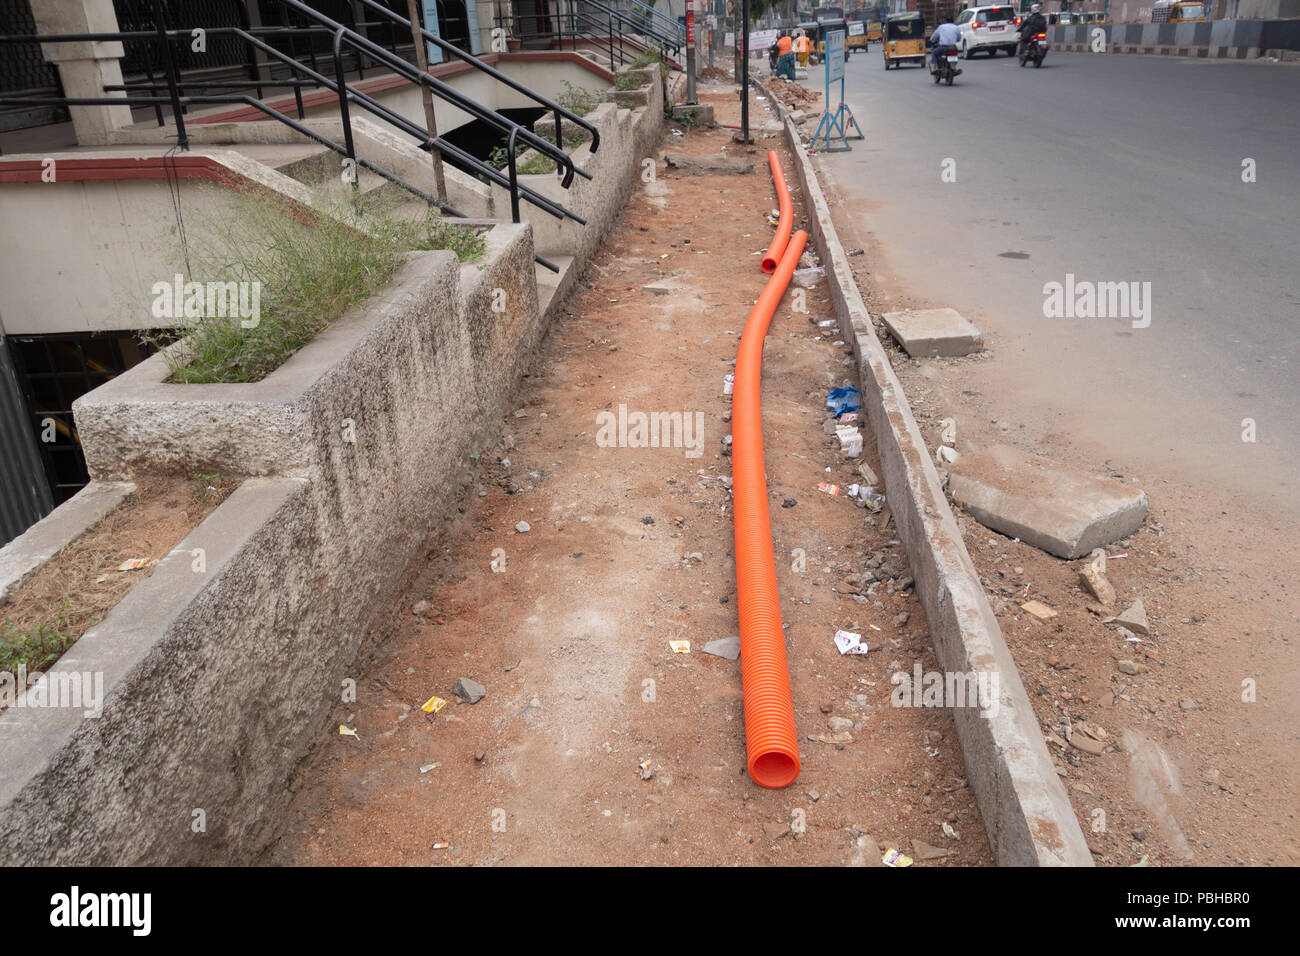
column 560, row 112
column 180, row 94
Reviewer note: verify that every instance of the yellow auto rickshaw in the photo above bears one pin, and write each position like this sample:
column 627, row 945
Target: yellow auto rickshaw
column 873, row 31
column 857, row 40
column 904, row 40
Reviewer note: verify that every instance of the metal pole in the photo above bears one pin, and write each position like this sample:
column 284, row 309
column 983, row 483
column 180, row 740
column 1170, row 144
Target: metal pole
column 422, row 61
column 169, row 64
column 742, row 42
column 690, row 51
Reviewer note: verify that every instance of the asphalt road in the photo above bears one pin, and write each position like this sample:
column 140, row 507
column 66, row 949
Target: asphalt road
column 1113, row 169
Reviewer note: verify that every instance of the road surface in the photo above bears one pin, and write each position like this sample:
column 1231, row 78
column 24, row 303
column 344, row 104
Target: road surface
column 1112, row 169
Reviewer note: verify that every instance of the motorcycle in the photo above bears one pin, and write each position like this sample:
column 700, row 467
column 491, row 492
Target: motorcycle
column 944, row 68
column 1035, row 48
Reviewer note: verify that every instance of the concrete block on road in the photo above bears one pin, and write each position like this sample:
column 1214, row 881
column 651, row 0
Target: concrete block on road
column 1062, row 511
column 931, row 332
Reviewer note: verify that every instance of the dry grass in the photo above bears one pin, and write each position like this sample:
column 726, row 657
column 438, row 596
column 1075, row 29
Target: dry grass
column 74, row 591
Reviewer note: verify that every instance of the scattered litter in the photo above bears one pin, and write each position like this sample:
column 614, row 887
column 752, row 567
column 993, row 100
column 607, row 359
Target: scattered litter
column 849, row 643
column 433, row 705
column 678, row 132
column 133, row 564
column 646, row 772
column 728, row 384
column 850, row 440
column 865, row 471
column 429, row 766
column 523, row 527
column 841, row 400
column 856, row 252
column 439, row 846
column 946, row 456
column 348, row 732
column 895, row 858
column 680, row 647
column 807, row 278
column 828, row 488
column 1039, row 610
column 868, row 496
column 949, row 831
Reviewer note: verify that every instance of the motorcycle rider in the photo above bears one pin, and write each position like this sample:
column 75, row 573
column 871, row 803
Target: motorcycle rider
column 1032, row 25
column 945, row 36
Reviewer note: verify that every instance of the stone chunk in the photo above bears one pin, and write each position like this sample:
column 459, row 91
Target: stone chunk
column 1096, row 582
column 470, row 691
column 929, row 332
column 709, row 164
column 1062, row 511
column 728, row 647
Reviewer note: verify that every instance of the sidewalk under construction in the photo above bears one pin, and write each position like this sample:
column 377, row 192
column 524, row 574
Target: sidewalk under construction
column 577, row 562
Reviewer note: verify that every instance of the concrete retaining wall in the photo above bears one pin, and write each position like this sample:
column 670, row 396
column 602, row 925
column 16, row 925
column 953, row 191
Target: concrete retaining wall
column 627, row 136
column 217, row 682
column 1026, row 813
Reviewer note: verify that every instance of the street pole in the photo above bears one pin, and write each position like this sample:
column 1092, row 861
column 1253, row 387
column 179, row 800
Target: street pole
column 742, row 42
column 690, row 51
column 422, row 61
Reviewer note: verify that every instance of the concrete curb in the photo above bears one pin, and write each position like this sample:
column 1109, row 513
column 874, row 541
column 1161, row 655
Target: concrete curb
column 1025, row 808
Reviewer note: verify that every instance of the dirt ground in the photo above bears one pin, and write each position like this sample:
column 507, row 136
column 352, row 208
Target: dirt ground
column 1194, row 769
column 595, row 742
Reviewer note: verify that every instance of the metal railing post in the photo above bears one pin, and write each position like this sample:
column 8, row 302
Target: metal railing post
column 169, row 65
column 344, row 112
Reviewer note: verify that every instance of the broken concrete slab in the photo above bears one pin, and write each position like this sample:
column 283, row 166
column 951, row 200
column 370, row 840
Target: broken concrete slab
column 1057, row 509
column 1097, row 583
column 728, row 647
column 700, row 114
column 931, row 332
column 709, row 164
column 1135, row 619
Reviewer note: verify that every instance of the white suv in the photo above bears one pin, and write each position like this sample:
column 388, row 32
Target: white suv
column 988, row 28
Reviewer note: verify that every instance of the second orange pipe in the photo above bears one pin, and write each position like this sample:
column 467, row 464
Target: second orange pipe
column 783, row 227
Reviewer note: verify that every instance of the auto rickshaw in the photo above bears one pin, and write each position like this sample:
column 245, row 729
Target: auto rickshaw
column 818, row 52
column 904, row 39
column 859, row 41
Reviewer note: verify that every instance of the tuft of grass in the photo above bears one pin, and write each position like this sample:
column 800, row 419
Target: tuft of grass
column 311, row 273
column 467, row 242
column 578, row 99
column 36, row 646
column 537, row 164
column 629, row 81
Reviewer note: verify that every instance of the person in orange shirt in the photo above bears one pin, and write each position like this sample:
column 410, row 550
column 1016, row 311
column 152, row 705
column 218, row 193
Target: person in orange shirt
column 801, row 46
column 785, row 57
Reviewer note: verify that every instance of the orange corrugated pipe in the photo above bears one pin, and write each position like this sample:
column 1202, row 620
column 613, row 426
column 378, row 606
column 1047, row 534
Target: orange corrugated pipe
column 771, row 744
column 787, row 215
